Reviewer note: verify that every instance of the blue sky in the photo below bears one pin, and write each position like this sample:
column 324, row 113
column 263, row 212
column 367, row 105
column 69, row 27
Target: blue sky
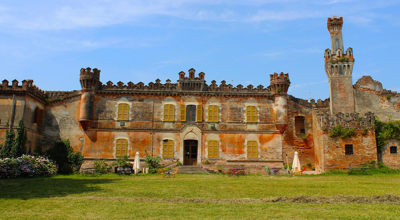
column 241, row 42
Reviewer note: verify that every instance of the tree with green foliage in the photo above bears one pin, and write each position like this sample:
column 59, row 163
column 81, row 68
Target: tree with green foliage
column 14, row 145
column 20, row 140
column 9, row 142
column 62, row 153
column 153, row 163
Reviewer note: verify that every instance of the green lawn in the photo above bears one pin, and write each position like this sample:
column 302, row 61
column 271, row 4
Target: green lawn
column 202, row 197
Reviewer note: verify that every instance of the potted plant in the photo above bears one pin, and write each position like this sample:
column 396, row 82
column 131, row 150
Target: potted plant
column 123, row 166
column 220, row 169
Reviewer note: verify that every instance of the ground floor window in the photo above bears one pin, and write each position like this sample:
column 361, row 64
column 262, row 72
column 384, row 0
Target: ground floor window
column 213, row 149
column 121, row 148
column 252, row 149
column 168, row 148
column 393, row 150
column 349, row 149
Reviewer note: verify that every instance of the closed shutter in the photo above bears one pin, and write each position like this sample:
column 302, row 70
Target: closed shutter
column 169, row 112
column 183, row 112
column 213, row 113
column 251, row 113
column 123, row 111
column 213, row 149
column 199, row 113
column 252, row 149
column 168, row 148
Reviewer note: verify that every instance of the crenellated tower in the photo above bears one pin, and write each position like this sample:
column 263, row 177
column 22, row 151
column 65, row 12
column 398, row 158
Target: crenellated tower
column 339, row 68
column 279, row 85
column 90, row 81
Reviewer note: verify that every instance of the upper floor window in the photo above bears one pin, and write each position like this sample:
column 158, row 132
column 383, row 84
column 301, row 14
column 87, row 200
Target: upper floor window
column 213, row 149
column 213, row 113
column 393, row 150
column 300, row 125
column 122, row 147
column 189, row 113
column 168, row 148
column 251, row 113
column 349, row 149
column 38, row 116
column 169, row 112
column 252, row 149
column 123, row 111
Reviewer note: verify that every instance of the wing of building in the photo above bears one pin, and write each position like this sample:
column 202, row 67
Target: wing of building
column 193, row 121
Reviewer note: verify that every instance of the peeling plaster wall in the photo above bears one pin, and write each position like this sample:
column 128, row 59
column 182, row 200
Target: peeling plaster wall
column 391, row 160
column 294, row 142
column 61, row 121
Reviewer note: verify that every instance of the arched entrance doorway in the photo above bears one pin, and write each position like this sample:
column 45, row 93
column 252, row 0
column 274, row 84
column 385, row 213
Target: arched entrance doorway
column 190, row 152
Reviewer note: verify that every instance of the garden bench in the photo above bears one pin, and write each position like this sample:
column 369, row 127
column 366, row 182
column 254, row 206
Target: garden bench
column 355, row 170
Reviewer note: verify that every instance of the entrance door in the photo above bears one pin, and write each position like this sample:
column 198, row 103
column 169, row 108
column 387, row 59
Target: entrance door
column 190, row 152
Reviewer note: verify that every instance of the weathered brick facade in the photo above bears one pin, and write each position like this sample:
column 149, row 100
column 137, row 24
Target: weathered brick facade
column 225, row 125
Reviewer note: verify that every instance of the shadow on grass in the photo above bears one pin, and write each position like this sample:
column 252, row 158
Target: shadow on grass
column 47, row 187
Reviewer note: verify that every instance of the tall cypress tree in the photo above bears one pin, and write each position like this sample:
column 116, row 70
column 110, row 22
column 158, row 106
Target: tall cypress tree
column 8, row 144
column 20, row 140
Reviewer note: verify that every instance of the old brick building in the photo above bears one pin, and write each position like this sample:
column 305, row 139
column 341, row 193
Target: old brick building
column 196, row 122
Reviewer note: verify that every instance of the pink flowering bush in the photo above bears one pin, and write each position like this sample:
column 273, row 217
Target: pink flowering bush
column 27, row 165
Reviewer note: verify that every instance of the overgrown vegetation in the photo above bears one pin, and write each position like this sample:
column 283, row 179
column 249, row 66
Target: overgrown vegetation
column 14, row 146
column 341, row 132
column 122, row 162
column 62, row 153
column 388, row 97
column 365, row 131
column 278, row 89
column 304, row 137
column 381, row 168
column 101, row 166
column 153, row 163
column 384, row 131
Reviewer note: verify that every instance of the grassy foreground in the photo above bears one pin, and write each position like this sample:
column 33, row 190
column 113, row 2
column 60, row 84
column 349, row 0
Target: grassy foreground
column 201, row 197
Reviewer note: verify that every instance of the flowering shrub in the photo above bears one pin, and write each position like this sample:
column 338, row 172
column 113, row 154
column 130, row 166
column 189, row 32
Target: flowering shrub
column 27, row 165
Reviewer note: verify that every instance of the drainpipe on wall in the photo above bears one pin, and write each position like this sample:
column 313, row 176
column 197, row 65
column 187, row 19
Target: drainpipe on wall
column 13, row 112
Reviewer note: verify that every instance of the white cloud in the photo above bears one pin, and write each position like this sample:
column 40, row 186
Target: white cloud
column 303, row 85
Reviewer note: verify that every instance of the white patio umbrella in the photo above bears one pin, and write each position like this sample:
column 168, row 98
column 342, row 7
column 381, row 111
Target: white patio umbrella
column 296, row 162
column 136, row 164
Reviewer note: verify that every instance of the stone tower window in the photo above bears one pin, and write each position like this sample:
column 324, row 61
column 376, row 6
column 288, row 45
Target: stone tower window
column 393, row 150
column 349, row 149
column 300, row 124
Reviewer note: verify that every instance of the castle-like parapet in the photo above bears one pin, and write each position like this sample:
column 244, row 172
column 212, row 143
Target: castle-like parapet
column 27, row 86
column 335, row 24
column 89, row 79
column 353, row 120
column 279, row 83
column 191, row 83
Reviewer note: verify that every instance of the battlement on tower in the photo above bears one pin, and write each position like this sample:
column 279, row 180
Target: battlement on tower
column 335, row 24
column 279, row 83
column 89, row 79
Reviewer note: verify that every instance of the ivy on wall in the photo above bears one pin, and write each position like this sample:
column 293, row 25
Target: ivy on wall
column 341, row 132
column 385, row 131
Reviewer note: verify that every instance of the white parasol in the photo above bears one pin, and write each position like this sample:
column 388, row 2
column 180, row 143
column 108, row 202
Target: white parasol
column 136, row 164
column 296, row 162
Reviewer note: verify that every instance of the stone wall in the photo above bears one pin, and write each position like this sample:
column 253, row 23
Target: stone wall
column 371, row 97
column 391, row 159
